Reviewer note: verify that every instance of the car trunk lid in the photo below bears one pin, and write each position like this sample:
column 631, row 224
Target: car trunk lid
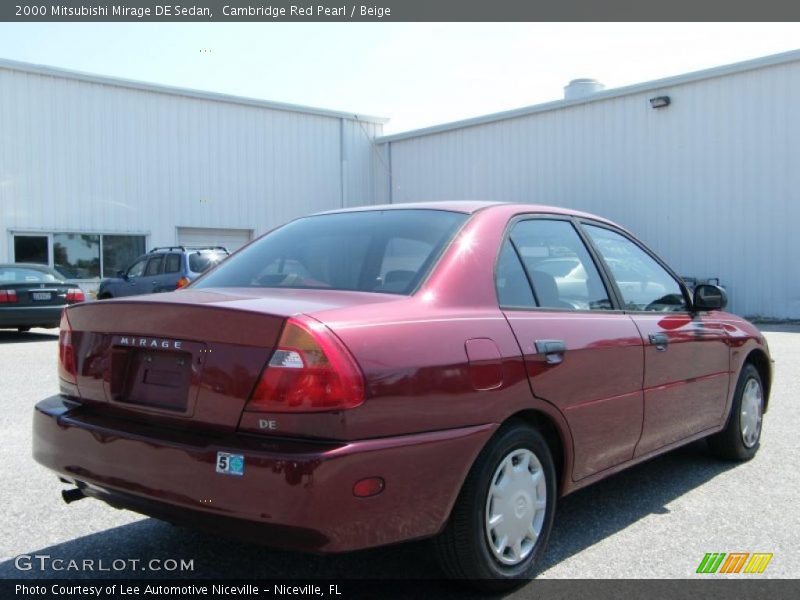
column 190, row 358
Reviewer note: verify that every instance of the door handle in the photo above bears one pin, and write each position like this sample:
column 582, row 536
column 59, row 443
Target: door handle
column 553, row 350
column 659, row 340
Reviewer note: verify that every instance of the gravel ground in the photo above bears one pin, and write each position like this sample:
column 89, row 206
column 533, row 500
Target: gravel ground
column 655, row 520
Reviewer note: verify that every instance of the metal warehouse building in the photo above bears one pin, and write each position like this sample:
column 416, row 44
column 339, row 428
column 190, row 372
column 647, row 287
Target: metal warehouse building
column 704, row 167
column 710, row 179
column 94, row 170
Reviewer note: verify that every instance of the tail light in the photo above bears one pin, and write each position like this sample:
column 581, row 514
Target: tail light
column 67, row 368
column 310, row 370
column 75, row 295
column 182, row 283
column 8, row 296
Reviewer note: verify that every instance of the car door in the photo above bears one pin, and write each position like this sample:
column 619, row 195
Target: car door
column 150, row 281
column 581, row 354
column 687, row 356
column 172, row 271
column 128, row 285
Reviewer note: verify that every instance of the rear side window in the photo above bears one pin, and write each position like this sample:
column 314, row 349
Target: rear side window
column 200, row 262
column 373, row 251
column 173, row 263
column 644, row 284
column 154, row 266
column 559, row 266
column 513, row 289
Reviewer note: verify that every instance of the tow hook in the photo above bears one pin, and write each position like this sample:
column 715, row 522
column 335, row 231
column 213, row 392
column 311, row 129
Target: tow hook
column 72, row 495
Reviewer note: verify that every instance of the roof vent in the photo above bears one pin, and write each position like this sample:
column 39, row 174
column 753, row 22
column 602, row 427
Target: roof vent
column 580, row 88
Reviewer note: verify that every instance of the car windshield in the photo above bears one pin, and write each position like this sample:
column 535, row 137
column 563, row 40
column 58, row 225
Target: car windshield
column 373, row 251
column 28, row 274
column 202, row 261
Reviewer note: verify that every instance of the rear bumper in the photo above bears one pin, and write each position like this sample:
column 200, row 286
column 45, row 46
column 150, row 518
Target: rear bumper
column 30, row 316
column 293, row 494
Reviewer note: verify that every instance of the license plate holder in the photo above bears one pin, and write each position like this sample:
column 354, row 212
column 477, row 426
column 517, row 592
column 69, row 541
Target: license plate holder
column 158, row 379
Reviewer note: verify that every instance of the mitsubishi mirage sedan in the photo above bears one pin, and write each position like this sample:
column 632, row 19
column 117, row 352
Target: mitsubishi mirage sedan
column 374, row 375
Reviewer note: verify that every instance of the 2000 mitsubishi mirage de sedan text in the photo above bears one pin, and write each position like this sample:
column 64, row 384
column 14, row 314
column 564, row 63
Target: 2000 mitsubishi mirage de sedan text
column 368, row 376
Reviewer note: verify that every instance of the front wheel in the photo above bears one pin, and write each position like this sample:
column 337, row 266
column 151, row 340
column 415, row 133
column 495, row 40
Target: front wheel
column 502, row 519
column 742, row 435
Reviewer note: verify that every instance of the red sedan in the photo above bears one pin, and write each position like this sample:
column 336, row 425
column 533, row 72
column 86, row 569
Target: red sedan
column 369, row 376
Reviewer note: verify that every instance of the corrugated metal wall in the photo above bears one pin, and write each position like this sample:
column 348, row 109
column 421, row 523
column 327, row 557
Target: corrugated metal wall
column 88, row 157
column 711, row 182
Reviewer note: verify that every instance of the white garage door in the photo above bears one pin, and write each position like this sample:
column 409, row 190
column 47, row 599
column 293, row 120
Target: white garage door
column 232, row 239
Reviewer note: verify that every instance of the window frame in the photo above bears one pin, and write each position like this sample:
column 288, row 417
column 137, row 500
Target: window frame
column 49, row 233
column 13, row 234
column 600, row 267
column 620, row 301
column 161, row 259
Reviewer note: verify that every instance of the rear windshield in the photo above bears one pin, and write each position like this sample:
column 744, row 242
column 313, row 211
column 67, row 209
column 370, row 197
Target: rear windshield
column 200, row 262
column 371, row 251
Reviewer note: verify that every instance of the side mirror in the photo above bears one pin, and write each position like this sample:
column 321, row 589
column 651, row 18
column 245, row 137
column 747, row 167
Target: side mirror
column 710, row 297
column 122, row 274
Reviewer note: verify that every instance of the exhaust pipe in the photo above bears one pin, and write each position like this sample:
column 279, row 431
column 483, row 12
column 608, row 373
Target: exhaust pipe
column 73, row 495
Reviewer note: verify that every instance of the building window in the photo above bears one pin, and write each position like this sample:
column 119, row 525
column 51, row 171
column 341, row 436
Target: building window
column 79, row 255
column 119, row 251
column 31, row 249
column 76, row 255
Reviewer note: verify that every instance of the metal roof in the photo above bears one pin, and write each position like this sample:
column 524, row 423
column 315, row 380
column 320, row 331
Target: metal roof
column 48, row 71
column 740, row 67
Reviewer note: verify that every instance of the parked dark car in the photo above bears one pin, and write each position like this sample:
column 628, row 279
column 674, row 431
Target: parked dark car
column 369, row 376
column 162, row 270
column 34, row 295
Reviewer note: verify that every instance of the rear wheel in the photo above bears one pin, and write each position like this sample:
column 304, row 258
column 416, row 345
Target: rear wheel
column 502, row 519
column 741, row 437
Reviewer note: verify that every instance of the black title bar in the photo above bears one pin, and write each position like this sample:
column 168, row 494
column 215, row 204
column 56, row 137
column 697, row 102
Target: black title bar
column 400, row 10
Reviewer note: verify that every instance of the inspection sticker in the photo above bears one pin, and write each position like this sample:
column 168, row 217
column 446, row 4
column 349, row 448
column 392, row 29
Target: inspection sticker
column 230, row 464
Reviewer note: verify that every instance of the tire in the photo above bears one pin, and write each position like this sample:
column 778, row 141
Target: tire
column 463, row 548
column 741, row 437
column 104, row 296
column 23, row 329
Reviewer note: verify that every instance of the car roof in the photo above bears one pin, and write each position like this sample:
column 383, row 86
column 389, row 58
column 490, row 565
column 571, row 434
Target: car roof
column 26, row 266
column 470, row 207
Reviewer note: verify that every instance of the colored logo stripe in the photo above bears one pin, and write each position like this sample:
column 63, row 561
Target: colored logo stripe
column 710, row 562
column 734, row 562
column 713, row 562
column 758, row 562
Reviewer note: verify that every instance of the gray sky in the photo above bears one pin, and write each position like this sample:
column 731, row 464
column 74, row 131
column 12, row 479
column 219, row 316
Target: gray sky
column 417, row 74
